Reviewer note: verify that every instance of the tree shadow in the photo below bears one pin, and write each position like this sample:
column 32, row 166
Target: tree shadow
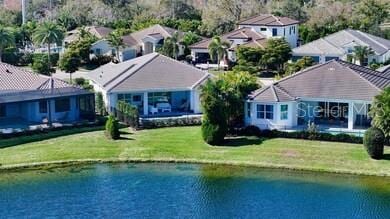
column 124, row 138
column 242, row 141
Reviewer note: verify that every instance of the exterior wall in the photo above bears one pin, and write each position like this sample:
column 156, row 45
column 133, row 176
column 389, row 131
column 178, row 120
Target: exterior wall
column 357, row 114
column 282, row 31
column 276, row 122
column 102, row 47
column 29, row 111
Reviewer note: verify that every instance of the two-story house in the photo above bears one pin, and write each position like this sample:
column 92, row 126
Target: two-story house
column 251, row 32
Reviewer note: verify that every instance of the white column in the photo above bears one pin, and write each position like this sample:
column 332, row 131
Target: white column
column 350, row 115
column 146, row 104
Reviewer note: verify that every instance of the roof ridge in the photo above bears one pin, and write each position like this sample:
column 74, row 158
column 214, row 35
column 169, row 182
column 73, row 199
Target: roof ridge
column 369, row 36
column 358, row 74
column 136, row 70
column 277, row 19
column 283, row 90
column 274, row 93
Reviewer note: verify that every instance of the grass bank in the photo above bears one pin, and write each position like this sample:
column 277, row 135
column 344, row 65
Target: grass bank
column 184, row 144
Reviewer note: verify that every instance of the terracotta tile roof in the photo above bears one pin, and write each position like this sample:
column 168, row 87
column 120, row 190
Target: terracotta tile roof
column 17, row 84
column 332, row 80
column 149, row 72
column 268, row 20
column 253, row 38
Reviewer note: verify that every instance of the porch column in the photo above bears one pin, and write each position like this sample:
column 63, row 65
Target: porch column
column 146, row 104
column 350, row 115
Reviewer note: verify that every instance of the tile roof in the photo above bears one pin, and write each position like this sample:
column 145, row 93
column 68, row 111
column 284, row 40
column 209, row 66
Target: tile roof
column 165, row 32
column 253, row 38
column 268, row 20
column 99, row 32
column 17, row 84
column 149, row 72
column 334, row 43
column 332, row 80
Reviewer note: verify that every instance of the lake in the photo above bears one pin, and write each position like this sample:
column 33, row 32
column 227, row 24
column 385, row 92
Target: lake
column 189, row 191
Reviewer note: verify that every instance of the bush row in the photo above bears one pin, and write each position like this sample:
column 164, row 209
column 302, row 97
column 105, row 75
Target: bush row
column 99, row 122
column 169, row 122
column 342, row 137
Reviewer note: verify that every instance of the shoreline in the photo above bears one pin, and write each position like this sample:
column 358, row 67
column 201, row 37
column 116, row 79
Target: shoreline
column 69, row 163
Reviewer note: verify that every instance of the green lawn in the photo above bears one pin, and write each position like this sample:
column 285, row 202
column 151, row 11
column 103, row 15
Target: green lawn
column 185, row 144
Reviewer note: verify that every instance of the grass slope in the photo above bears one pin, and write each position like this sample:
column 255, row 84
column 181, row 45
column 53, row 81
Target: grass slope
column 185, row 144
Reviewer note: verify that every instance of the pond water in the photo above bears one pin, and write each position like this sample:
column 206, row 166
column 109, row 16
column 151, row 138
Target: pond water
column 189, row 191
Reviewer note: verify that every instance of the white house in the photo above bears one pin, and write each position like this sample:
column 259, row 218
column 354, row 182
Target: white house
column 342, row 44
column 334, row 95
column 251, row 32
column 240, row 37
column 273, row 26
column 139, row 43
column 156, row 84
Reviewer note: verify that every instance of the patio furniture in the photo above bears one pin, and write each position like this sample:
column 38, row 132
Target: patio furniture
column 164, row 107
column 152, row 110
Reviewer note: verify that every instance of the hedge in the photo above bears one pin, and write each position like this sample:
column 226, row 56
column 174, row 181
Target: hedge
column 374, row 141
column 170, row 122
column 321, row 136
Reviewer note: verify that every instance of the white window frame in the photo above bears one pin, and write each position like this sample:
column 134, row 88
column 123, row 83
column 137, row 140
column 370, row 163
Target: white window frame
column 284, row 114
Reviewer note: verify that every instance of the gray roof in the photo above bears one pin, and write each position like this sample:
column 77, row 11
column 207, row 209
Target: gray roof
column 384, row 68
column 268, row 20
column 251, row 37
column 17, row 84
column 150, row 72
column 332, row 80
column 334, row 44
column 99, row 32
column 154, row 30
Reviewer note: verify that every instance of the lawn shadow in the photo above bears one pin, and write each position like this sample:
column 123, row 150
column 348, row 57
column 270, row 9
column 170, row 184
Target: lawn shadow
column 386, row 157
column 242, row 141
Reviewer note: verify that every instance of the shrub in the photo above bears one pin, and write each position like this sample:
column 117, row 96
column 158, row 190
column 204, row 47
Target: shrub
column 171, row 122
column 252, row 131
column 100, row 105
column 373, row 141
column 213, row 134
column 112, row 128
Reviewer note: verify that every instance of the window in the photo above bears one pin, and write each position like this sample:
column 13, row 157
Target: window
column 290, row 30
column 283, row 112
column 98, row 51
column 62, row 105
column 86, row 103
column 274, row 32
column 248, row 108
column 294, row 29
column 284, row 31
column 125, row 97
column 43, row 106
column 3, row 110
column 265, row 111
column 263, row 29
column 137, row 98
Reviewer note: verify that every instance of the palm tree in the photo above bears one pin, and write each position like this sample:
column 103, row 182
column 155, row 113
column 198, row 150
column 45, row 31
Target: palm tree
column 6, row 39
column 171, row 46
column 361, row 53
column 48, row 33
column 116, row 41
column 218, row 49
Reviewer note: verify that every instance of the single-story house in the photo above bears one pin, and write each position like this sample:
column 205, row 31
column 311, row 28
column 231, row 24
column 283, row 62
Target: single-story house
column 27, row 98
column 240, row 37
column 139, row 43
column 97, row 31
column 156, row 84
column 342, row 44
column 334, row 95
